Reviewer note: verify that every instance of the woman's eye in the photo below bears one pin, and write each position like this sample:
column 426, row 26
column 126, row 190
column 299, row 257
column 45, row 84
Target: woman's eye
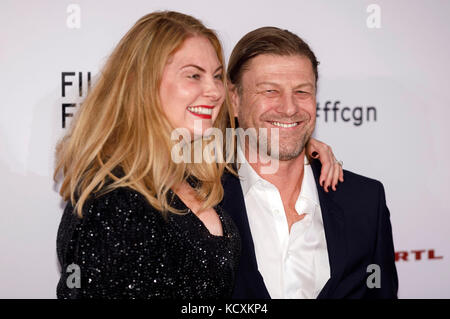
column 218, row 77
column 195, row 76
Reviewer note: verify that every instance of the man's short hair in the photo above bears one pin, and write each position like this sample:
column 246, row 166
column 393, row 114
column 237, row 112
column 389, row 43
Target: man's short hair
column 266, row 40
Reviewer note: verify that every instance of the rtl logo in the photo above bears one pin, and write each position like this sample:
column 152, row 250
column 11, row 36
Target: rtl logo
column 416, row 255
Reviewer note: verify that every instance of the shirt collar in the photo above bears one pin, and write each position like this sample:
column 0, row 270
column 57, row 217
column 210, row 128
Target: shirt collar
column 308, row 198
column 247, row 174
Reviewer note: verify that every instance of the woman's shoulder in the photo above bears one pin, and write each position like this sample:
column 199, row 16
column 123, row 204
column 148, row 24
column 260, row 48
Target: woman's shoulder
column 122, row 205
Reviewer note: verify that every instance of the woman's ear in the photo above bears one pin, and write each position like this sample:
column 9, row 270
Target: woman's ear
column 234, row 98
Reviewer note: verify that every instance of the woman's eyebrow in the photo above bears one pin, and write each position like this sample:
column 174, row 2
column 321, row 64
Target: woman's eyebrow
column 200, row 68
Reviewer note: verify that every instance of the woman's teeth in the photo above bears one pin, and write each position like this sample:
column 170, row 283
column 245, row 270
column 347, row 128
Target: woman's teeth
column 284, row 125
column 200, row 110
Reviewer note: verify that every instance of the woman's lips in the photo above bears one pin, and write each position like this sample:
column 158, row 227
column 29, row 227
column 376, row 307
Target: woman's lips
column 201, row 111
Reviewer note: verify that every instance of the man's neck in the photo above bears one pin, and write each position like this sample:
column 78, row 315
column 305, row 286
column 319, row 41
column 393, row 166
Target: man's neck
column 288, row 178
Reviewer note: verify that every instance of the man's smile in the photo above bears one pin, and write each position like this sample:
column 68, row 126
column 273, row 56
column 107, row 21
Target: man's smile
column 284, row 124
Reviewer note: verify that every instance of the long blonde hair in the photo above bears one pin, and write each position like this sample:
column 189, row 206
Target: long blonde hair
column 121, row 124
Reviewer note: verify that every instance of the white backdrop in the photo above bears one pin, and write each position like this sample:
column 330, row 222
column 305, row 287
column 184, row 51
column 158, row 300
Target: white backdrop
column 386, row 63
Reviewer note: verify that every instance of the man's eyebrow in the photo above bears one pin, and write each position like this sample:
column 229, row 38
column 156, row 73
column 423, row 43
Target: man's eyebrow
column 200, row 68
column 266, row 83
column 276, row 84
column 305, row 84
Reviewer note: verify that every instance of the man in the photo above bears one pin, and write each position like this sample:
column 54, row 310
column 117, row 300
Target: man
column 299, row 241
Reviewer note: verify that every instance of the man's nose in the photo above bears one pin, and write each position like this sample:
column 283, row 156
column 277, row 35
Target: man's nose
column 287, row 105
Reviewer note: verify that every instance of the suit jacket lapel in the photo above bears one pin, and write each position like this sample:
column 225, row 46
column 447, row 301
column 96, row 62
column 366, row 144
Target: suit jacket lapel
column 334, row 226
column 249, row 282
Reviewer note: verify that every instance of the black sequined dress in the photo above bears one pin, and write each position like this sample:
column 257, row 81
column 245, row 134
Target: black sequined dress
column 124, row 248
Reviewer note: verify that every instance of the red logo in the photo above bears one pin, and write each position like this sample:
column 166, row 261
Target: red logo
column 422, row 254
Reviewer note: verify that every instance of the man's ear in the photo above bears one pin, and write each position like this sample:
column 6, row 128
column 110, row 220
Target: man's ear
column 234, row 98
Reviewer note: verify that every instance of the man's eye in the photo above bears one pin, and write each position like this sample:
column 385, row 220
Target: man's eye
column 302, row 92
column 271, row 93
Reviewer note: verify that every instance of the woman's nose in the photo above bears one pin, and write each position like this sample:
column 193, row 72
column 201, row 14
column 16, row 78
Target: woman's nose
column 214, row 89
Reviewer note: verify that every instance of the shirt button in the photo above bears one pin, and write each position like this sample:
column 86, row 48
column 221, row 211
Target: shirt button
column 276, row 211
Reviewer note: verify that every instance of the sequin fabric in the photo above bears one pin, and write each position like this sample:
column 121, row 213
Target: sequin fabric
column 125, row 249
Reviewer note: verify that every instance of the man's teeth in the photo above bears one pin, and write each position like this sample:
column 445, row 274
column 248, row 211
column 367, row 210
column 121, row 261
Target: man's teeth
column 284, row 125
column 200, row 110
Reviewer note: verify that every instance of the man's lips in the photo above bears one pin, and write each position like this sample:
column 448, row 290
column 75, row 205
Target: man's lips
column 202, row 111
column 285, row 125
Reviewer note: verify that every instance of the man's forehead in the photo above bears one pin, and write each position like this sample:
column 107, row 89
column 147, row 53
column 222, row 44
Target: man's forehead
column 282, row 66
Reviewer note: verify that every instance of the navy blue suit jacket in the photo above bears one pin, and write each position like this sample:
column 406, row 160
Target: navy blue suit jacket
column 357, row 231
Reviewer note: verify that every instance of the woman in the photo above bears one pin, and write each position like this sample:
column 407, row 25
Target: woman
column 137, row 224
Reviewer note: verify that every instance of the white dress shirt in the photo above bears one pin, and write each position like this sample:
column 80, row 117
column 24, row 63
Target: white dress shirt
column 295, row 264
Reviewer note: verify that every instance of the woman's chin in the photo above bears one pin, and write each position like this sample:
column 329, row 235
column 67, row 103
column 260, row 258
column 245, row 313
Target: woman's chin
column 205, row 133
column 203, row 130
